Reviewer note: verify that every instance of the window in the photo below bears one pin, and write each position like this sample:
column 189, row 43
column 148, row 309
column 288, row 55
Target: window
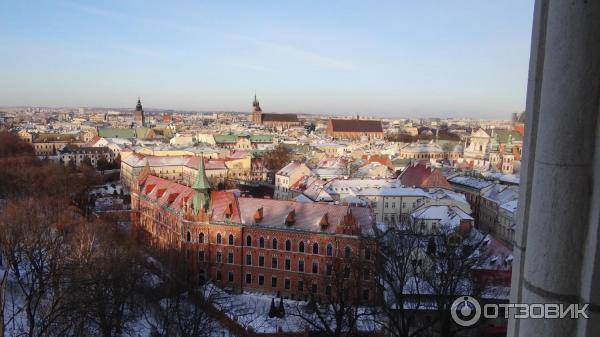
column 288, row 245
column 288, row 263
column 248, row 259
column 367, row 254
column 219, row 277
column 261, row 261
column 274, row 262
column 230, row 276
column 301, row 247
column 249, row 241
column 314, row 288
column 188, row 237
column 346, row 272
column 329, row 269
column 219, row 257
column 315, row 248
column 365, row 294
column 329, row 249
column 328, row 290
column 300, row 286
column 261, row 242
column 348, row 252
column 248, row 278
column 274, row 243
column 287, row 283
column 201, row 238
column 366, row 274
column 219, row 238
column 201, row 256
column 315, row 267
column 261, row 280
column 231, row 240
column 301, row 266
column 230, row 257
column 273, row 282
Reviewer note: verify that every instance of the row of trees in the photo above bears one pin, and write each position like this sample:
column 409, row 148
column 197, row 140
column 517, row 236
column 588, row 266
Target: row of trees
column 63, row 274
column 417, row 278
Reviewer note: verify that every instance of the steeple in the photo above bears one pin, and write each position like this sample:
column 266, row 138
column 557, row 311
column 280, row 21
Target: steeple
column 495, row 143
column 255, row 104
column 138, row 115
column 138, row 107
column 202, row 188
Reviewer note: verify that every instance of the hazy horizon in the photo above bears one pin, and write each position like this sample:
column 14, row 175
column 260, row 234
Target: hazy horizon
column 390, row 59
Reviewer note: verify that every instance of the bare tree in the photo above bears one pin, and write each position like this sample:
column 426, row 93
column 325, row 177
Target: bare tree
column 421, row 276
column 340, row 308
column 177, row 306
column 36, row 252
column 404, row 291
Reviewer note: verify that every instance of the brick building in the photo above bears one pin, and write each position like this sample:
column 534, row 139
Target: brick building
column 354, row 129
column 273, row 120
column 273, row 246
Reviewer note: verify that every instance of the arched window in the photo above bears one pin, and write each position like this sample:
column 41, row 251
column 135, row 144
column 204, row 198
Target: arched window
column 261, row 242
column 288, row 245
column 274, row 243
column 348, row 252
column 301, row 247
column 201, row 238
column 329, row 249
column 219, row 238
column 231, row 239
column 188, row 237
column 249, row 241
column 315, row 248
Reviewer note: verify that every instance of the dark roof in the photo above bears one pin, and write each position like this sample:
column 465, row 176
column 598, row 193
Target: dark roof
column 356, row 125
column 71, row 148
column 270, row 117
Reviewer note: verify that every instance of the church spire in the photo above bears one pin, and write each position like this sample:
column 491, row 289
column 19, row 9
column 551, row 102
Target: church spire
column 202, row 188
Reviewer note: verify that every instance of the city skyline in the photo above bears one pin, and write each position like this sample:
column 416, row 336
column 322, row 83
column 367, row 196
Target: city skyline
column 299, row 57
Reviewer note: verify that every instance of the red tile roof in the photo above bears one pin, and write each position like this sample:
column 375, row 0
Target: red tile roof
column 422, row 175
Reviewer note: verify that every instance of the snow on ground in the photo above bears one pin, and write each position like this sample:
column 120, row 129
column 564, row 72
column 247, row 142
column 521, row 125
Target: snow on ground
column 251, row 311
column 108, row 188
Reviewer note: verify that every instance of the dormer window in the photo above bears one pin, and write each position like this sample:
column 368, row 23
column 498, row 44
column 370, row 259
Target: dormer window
column 291, row 218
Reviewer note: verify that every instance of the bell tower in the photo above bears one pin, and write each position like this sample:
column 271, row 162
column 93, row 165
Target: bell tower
column 138, row 115
column 256, row 111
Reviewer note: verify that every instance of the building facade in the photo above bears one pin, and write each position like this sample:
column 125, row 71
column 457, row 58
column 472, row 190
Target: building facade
column 273, row 246
column 354, row 129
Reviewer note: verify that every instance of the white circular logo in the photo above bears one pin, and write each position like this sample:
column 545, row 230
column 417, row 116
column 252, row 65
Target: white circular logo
column 465, row 311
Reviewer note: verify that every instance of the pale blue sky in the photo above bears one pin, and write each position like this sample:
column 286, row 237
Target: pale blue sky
column 463, row 58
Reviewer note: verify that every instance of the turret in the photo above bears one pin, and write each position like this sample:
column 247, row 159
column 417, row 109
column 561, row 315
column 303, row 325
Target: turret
column 201, row 200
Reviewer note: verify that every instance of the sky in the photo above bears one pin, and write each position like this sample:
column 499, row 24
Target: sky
column 426, row 58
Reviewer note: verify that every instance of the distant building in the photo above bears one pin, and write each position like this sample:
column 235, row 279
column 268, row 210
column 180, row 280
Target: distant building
column 423, row 150
column 355, row 129
column 78, row 155
column 138, row 115
column 287, row 176
column 272, row 120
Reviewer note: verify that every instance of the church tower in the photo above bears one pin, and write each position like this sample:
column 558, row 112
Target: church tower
column 138, row 115
column 256, row 112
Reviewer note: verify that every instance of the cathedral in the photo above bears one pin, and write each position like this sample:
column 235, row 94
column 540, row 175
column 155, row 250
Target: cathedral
column 273, row 120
